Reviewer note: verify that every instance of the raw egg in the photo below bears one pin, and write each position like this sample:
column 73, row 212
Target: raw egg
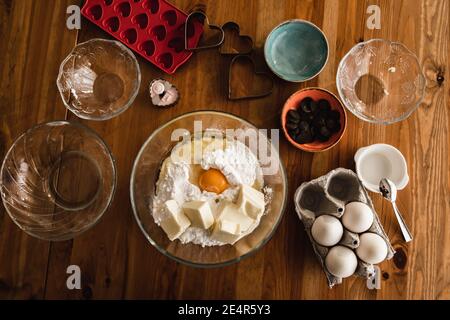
column 358, row 217
column 341, row 262
column 372, row 248
column 212, row 180
column 327, row 230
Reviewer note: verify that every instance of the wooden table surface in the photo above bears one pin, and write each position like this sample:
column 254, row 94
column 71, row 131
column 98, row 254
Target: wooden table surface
column 116, row 260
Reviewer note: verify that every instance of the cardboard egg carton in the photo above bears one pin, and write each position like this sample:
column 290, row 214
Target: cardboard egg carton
column 328, row 195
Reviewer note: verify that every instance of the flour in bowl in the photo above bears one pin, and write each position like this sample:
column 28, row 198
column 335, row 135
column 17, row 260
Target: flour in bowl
column 235, row 166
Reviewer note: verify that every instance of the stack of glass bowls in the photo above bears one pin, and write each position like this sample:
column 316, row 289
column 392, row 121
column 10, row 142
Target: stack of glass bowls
column 57, row 180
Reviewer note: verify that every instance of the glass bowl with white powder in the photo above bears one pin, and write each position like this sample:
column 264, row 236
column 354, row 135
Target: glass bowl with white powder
column 249, row 158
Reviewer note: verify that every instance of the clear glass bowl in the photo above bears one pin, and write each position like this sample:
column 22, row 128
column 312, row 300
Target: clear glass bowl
column 57, row 180
column 380, row 81
column 99, row 79
column 145, row 175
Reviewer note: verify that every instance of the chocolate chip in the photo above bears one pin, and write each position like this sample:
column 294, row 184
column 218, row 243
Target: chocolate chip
column 304, row 137
column 305, row 105
column 324, row 105
column 304, row 126
column 331, row 124
column 319, row 121
column 291, row 125
column 314, row 107
column 321, row 138
column 334, row 114
column 338, row 127
column 293, row 116
column 293, row 113
column 313, row 131
column 294, row 132
column 325, row 132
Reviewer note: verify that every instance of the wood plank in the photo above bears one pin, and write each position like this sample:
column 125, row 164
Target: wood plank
column 115, row 258
column 32, row 44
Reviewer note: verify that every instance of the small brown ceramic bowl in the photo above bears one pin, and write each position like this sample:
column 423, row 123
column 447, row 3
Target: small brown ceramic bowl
column 316, row 94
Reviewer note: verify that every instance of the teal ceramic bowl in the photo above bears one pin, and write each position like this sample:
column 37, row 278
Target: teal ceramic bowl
column 296, row 50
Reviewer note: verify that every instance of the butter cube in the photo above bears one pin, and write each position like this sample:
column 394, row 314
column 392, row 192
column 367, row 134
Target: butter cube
column 176, row 222
column 200, row 214
column 251, row 202
column 226, row 231
column 231, row 212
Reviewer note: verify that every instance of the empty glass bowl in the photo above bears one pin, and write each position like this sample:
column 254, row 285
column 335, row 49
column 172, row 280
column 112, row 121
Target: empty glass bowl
column 99, row 79
column 380, row 81
column 57, row 180
column 146, row 172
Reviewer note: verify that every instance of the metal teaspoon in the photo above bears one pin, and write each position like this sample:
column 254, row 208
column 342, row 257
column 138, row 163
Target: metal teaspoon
column 389, row 192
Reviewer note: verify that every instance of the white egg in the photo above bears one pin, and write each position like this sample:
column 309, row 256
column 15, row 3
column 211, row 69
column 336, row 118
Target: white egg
column 327, row 230
column 372, row 248
column 358, row 217
column 341, row 261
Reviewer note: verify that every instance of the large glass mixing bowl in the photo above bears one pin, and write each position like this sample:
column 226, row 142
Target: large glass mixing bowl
column 380, row 81
column 57, row 180
column 145, row 175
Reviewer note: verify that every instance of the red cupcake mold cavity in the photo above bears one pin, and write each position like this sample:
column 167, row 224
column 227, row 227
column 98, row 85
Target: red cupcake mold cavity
column 130, row 36
column 166, row 59
column 148, row 47
column 95, row 12
column 141, row 20
column 177, row 44
column 152, row 28
column 112, row 24
column 124, row 9
column 159, row 32
column 170, row 17
column 152, row 5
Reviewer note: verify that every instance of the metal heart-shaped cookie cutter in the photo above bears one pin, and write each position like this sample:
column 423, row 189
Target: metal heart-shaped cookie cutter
column 260, row 73
column 234, row 27
column 189, row 18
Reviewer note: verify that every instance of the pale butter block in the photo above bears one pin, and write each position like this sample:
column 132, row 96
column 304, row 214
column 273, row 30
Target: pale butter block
column 226, row 231
column 231, row 212
column 251, row 202
column 200, row 214
column 176, row 221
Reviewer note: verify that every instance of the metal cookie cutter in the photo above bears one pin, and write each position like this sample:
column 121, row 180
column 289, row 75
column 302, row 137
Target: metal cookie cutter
column 188, row 31
column 232, row 32
column 232, row 95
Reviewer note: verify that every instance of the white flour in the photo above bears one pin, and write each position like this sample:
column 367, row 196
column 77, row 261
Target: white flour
column 236, row 162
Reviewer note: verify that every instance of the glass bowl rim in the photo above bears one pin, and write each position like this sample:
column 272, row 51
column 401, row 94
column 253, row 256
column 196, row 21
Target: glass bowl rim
column 421, row 75
column 187, row 262
column 123, row 108
column 296, row 21
column 102, row 142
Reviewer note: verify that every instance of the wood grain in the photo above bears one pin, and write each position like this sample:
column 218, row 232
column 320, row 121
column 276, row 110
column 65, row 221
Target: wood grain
column 33, row 41
column 115, row 258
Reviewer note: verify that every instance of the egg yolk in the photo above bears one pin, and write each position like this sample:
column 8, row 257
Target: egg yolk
column 212, row 180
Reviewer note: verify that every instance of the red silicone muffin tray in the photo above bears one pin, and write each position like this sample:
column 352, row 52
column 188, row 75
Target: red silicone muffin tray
column 152, row 28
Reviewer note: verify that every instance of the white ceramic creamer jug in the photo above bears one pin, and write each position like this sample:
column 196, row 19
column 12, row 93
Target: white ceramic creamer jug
column 379, row 161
